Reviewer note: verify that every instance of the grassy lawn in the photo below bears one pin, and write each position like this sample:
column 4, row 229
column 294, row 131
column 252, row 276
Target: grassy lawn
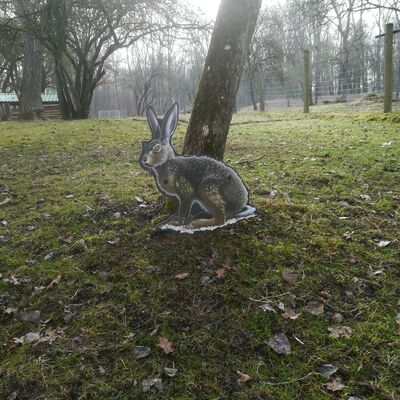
column 77, row 217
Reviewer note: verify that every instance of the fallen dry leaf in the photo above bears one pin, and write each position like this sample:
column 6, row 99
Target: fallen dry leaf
column 289, row 276
column 155, row 383
column 398, row 318
column 204, row 279
column 267, row 307
column 337, row 317
column 10, row 310
column 36, row 337
column 171, row 372
column 65, row 239
column 280, row 344
column 335, row 384
column 340, row 331
column 348, row 235
column 220, row 272
column 29, row 316
column 290, row 314
column 228, row 264
column 55, row 281
column 243, row 377
column 384, row 243
column 165, row 344
column 102, row 371
column 326, row 370
column 140, row 352
column 182, row 275
column 315, row 308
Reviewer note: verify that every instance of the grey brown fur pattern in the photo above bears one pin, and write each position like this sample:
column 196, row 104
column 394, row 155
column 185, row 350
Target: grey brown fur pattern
column 216, row 187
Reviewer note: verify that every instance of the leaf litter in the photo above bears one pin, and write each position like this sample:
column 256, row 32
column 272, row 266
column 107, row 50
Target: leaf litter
column 280, row 344
column 340, row 331
column 165, row 345
column 141, row 352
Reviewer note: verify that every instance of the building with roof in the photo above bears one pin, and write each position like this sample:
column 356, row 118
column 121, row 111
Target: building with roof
column 9, row 106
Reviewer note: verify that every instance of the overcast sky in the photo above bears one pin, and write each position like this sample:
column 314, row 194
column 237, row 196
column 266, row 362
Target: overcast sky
column 210, row 7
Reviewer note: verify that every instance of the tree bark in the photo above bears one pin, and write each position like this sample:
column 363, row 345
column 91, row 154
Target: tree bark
column 261, row 88
column 30, row 102
column 252, row 94
column 215, row 100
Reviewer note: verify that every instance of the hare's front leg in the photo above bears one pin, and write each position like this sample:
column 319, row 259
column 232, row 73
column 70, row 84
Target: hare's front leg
column 214, row 203
column 184, row 210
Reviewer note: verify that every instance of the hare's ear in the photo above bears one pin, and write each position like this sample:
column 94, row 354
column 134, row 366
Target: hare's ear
column 153, row 123
column 170, row 123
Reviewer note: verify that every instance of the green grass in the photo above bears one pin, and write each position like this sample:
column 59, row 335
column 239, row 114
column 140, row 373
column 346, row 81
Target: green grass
column 309, row 189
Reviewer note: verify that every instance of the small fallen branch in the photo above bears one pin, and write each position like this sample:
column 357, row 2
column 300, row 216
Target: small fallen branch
column 283, row 382
column 249, row 161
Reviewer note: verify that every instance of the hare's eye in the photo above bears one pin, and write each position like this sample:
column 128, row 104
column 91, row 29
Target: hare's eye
column 156, row 148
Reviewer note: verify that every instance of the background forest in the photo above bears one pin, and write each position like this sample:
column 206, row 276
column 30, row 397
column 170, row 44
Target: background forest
column 152, row 66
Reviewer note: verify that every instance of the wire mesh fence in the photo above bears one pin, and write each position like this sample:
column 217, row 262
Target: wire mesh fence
column 334, row 78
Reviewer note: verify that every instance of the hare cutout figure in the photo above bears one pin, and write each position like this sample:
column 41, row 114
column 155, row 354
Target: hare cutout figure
column 217, row 188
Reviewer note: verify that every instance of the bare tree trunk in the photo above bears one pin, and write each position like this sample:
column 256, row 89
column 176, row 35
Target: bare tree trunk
column 261, row 88
column 252, row 94
column 215, row 100
column 31, row 107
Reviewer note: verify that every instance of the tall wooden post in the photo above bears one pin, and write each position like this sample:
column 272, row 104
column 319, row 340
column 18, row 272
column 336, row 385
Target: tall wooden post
column 306, row 89
column 388, row 78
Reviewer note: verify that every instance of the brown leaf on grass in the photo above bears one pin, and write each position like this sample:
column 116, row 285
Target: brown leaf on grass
column 65, row 239
column 155, row 383
column 335, row 385
column 280, row 344
column 102, row 371
column 50, row 335
column 340, row 331
column 326, row 370
column 290, row 314
column 165, row 344
column 171, row 372
column 337, row 317
column 315, row 308
column 38, row 289
column 182, row 275
column 243, row 377
column 29, row 316
column 220, row 272
column 267, row 306
column 228, row 264
column 54, row 282
column 10, row 310
column 289, row 276
column 141, row 352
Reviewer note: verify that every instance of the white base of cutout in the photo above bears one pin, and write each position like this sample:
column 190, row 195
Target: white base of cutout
column 248, row 212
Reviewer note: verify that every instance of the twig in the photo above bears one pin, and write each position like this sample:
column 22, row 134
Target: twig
column 284, row 382
column 269, row 297
column 249, row 161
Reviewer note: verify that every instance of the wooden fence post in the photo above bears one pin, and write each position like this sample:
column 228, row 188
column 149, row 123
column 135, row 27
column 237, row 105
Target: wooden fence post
column 388, row 78
column 306, row 89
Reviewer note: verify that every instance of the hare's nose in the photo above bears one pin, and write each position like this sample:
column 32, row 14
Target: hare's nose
column 144, row 159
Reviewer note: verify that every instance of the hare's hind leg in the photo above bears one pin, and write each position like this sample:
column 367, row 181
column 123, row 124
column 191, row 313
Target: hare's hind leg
column 214, row 204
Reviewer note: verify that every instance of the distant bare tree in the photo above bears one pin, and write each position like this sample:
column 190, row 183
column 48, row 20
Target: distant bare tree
column 81, row 36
